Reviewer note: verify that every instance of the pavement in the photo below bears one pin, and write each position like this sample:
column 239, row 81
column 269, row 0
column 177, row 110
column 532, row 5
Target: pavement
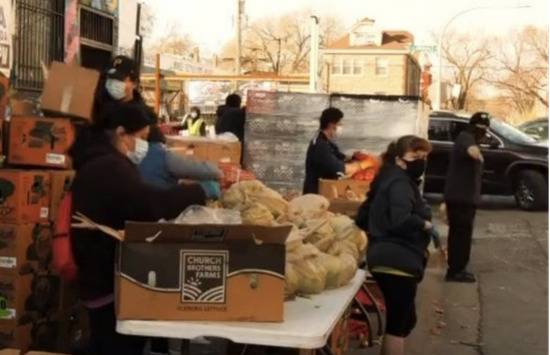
column 506, row 311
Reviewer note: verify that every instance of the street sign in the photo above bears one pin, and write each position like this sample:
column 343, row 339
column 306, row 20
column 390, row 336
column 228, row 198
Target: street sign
column 423, row 48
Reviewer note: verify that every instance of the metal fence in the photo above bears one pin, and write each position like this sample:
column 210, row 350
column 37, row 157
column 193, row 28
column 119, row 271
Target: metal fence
column 38, row 40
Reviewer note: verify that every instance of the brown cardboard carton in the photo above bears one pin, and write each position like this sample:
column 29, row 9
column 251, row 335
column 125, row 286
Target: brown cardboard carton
column 188, row 148
column 345, row 189
column 225, row 152
column 24, row 247
column 201, row 272
column 61, row 182
column 16, row 337
column 22, row 108
column 70, row 91
column 40, row 141
column 15, row 291
column 345, row 207
column 24, row 196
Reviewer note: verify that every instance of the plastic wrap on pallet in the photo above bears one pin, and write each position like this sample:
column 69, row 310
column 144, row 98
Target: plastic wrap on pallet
column 279, row 127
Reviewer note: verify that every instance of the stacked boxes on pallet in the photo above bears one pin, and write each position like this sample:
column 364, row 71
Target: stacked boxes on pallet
column 37, row 310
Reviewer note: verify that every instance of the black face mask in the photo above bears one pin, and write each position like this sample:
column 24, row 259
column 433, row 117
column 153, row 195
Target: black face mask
column 479, row 133
column 416, row 168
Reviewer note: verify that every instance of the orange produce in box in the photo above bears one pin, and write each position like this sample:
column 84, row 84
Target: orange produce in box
column 367, row 174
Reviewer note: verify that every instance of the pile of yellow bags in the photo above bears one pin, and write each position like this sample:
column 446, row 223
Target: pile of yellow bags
column 323, row 249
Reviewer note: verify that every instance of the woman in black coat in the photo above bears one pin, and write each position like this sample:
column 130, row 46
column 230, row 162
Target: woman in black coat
column 109, row 190
column 399, row 228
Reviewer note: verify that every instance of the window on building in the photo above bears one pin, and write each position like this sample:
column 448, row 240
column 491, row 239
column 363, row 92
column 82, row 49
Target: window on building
column 382, row 67
column 38, row 41
column 337, row 67
column 347, row 66
column 357, row 67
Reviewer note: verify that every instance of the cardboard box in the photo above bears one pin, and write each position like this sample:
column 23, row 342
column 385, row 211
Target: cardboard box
column 24, row 196
column 345, row 207
column 225, row 152
column 22, row 108
column 201, row 272
column 24, row 247
column 40, row 141
column 61, row 182
column 345, row 189
column 205, row 149
column 15, row 291
column 16, row 337
column 70, row 91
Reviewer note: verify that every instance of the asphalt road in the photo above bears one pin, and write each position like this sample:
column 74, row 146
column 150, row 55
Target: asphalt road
column 506, row 311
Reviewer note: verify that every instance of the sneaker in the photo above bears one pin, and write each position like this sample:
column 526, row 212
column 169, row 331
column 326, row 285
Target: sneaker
column 463, row 276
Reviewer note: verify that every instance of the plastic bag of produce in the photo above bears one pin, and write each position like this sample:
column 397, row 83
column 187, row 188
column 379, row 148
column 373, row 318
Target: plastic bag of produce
column 307, row 207
column 294, row 241
column 346, row 246
column 319, row 233
column 205, row 215
column 244, row 193
column 334, row 267
column 312, row 276
column 292, row 280
column 349, row 268
column 257, row 214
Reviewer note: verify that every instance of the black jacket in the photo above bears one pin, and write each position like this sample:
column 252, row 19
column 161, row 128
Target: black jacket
column 324, row 160
column 232, row 120
column 397, row 216
column 109, row 190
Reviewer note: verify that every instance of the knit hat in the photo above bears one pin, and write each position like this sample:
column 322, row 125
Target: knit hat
column 131, row 117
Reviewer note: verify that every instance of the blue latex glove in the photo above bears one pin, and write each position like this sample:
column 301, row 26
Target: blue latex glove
column 212, row 189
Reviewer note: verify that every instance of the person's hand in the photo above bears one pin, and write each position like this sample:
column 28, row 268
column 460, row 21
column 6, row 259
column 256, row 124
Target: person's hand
column 428, row 225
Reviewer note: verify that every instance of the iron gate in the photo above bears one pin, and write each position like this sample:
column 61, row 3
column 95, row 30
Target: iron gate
column 38, row 40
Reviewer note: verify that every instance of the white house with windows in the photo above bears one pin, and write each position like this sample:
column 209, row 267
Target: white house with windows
column 368, row 60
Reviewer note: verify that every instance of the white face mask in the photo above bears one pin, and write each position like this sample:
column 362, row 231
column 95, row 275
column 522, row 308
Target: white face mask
column 140, row 151
column 194, row 115
column 116, row 88
column 339, row 131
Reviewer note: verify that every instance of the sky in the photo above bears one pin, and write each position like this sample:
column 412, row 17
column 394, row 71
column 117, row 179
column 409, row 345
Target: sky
column 210, row 22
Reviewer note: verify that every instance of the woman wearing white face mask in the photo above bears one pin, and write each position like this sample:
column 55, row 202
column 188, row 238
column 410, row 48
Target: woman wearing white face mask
column 119, row 85
column 109, row 189
column 194, row 123
column 324, row 159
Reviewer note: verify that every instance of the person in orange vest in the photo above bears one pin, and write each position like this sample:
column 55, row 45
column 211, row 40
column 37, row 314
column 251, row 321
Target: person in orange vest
column 194, row 123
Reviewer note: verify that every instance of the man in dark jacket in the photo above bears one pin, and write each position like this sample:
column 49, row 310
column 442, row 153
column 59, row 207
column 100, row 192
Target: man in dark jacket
column 324, row 160
column 463, row 194
column 109, row 190
column 231, row 117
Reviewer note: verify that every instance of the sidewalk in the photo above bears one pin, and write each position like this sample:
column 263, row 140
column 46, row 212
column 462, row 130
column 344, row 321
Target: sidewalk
column 448, row 316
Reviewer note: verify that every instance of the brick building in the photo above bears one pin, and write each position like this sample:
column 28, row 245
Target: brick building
column 371, row 61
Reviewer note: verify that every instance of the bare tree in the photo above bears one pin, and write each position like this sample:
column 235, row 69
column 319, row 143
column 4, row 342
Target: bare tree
column 282, row 44
column 521, row 68
column 467, row 59
column 172, row 43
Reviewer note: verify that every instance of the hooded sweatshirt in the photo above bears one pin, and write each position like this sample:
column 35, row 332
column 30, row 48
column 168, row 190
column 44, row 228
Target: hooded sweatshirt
column 109, row 190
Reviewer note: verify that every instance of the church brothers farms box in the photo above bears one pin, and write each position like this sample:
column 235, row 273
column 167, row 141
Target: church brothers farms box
column 201, row 272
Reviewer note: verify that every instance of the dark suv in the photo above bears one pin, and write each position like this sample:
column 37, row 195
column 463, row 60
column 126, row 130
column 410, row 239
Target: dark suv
column 515, row 164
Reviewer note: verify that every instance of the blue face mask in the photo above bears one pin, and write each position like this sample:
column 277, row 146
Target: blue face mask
column 116, row 88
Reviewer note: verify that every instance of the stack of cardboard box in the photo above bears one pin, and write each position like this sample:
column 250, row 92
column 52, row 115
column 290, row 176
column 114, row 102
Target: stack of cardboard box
column 34, row 303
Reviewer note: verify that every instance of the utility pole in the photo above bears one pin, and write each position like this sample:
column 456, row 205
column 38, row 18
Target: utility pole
column 314, row 54
column 240, row 10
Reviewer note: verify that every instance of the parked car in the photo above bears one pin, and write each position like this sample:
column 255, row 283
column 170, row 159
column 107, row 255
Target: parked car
column 537, row 129
column 515, row 164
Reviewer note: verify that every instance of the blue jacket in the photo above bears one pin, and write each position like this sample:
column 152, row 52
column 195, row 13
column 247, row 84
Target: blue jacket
column 163, row 168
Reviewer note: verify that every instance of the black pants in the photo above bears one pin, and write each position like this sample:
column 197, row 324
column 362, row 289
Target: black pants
column 461, row 227
column 104, row 338
column 399, row 297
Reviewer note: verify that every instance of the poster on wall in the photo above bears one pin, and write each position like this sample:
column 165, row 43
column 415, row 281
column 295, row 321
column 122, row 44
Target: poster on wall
column 6, row 22
column 72, row 31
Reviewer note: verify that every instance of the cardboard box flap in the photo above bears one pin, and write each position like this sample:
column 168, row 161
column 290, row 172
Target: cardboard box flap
column 169, row 233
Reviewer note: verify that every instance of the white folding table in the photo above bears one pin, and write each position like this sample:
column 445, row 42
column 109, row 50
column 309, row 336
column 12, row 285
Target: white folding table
column 308, row 322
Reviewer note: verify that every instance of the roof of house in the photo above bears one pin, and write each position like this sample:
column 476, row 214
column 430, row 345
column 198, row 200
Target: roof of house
column 390, row 40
